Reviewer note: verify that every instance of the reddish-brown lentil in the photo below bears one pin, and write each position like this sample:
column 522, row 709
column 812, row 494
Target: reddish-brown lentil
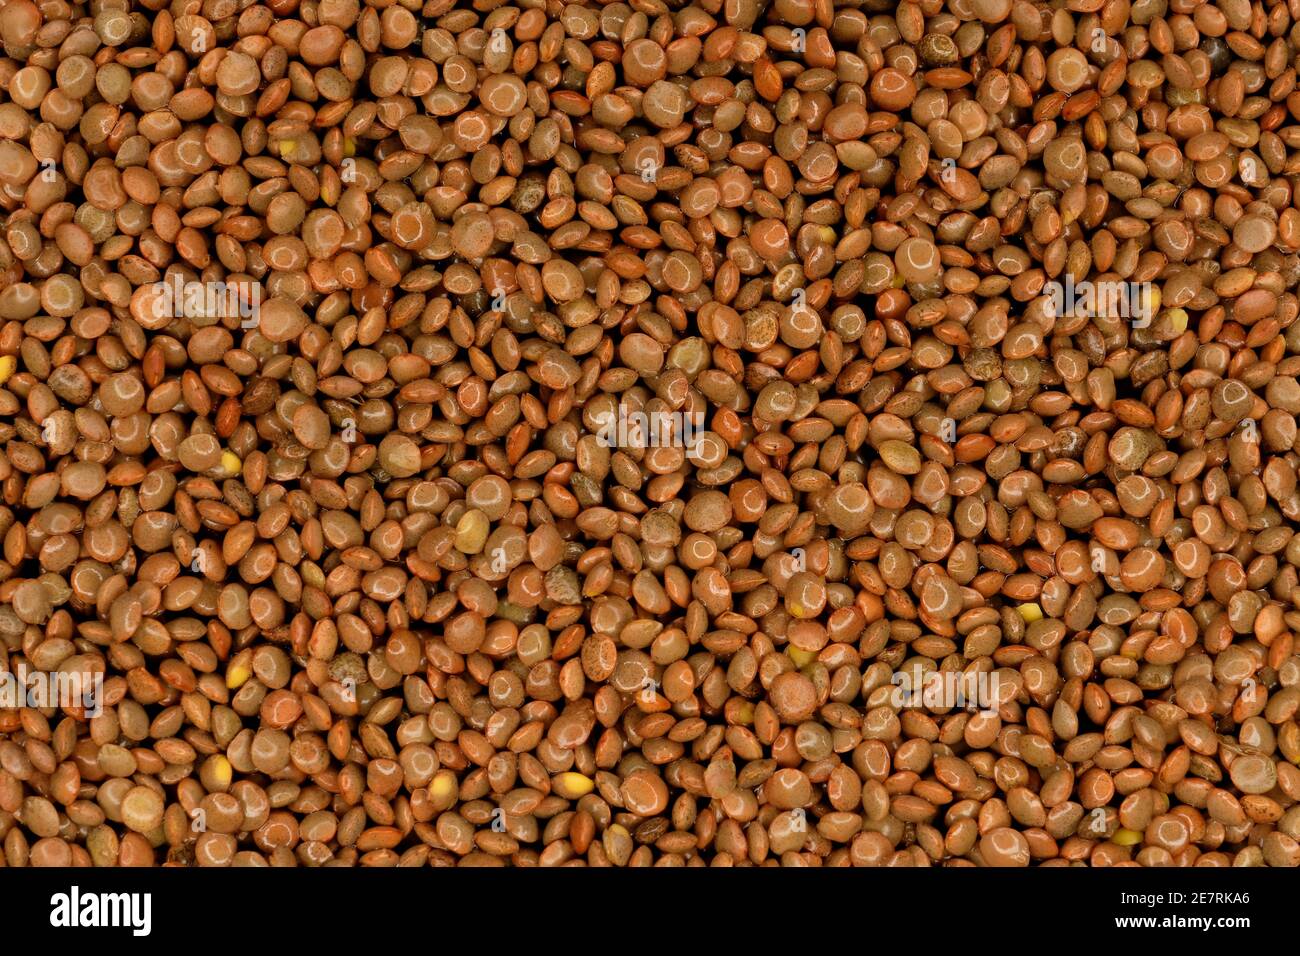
column 367, row 568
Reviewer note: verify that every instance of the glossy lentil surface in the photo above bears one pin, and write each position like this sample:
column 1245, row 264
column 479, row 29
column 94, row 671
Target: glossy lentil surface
column 367, row 586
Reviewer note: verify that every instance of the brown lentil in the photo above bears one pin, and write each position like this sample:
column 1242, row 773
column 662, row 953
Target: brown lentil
column 549, row 434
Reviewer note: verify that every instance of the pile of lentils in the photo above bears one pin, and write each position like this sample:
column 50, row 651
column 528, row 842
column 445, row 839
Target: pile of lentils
column 365, row 578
